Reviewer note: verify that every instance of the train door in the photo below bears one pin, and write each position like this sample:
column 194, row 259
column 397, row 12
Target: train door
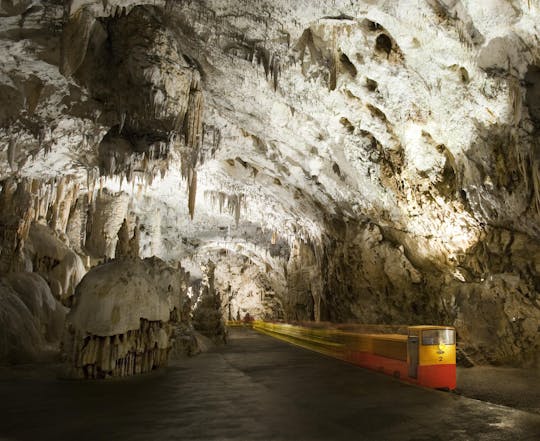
column 412, row 355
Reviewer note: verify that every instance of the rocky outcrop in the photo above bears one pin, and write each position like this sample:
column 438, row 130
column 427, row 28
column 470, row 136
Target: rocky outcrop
column 31, row 319
column 490, row 294
column 123, row 318
column 207, row 314
column 29, row 244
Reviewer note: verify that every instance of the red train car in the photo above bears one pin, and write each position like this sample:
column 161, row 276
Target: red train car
column 425, row 356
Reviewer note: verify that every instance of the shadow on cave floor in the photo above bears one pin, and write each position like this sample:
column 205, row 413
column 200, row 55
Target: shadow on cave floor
column 255, row 388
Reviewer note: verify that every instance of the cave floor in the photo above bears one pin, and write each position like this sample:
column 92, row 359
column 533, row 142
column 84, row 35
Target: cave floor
column 513, row 387
column 255, row 388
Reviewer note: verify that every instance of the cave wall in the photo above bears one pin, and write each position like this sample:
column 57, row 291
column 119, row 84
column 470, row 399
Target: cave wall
column 248, row 288
column 490, row 295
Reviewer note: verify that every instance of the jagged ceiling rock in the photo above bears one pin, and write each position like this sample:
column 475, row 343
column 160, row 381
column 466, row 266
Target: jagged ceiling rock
column 391, row 145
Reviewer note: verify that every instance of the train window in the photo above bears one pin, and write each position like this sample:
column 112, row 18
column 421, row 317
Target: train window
column 439, row 336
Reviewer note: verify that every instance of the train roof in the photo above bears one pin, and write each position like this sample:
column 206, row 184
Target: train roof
column 424, row 327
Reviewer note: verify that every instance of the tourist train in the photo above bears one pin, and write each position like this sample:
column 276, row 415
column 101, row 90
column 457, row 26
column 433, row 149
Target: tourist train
column 425, row 355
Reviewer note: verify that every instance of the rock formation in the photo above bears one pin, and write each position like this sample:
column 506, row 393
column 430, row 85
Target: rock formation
column 31, row 319
column 207, row 314
column 123, row 318
column 373, row 161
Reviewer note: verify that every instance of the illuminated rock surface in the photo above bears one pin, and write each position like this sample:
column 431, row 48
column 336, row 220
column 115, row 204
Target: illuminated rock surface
column 123, row 318
column 369, row 161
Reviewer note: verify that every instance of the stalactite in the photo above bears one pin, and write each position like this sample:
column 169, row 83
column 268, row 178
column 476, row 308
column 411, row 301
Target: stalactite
column 535, row 178
column 332, row 82
column 192, row 192
column 12, row 154
column 237, row 208
column 222, row 197
column 193, row 128
column 194, row 117
column 135, row 352
column 122, row 122
column 516, row 100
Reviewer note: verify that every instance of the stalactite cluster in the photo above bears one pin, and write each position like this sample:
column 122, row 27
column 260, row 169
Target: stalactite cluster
column 258, row 55
column 119, row 158
column 163, row 119
column 231, row 203
column 135, row 352
column 26, row 200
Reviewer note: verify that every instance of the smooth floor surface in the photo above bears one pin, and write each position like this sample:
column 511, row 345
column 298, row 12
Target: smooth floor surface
column 255, row 388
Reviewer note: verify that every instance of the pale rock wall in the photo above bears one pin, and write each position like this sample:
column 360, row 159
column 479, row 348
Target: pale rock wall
column 304, row 284
column 31, row 319
column 248, row 288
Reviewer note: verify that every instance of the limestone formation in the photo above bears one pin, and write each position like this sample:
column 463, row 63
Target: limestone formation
column 123, row 318
column 31, row 319
column 207, row 313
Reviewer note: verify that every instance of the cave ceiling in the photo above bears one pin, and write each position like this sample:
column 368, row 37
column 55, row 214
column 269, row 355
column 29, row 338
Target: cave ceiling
column 241, row 124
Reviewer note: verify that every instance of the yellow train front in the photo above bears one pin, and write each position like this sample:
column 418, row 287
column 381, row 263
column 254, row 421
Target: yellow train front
column 431, row 356
column 426, row 355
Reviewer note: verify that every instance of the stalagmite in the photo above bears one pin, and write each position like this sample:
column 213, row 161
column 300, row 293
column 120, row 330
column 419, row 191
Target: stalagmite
column 122, row 245
column 134, row 242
